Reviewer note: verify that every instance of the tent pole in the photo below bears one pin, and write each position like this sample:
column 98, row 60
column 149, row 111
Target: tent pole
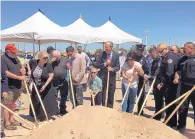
column 24, row 47
column 39, row 48
column 39, row 45
column 117, row 47
column 18, row 47
column 33, row 48
column 75, row 46
column 85, row 47
column 33, row 45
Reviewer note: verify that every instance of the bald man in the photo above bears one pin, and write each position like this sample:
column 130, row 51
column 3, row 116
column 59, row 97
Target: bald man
column 186, row 71
column 108, row 61
column 166, row 85
column 174, row 49
column 59, row 81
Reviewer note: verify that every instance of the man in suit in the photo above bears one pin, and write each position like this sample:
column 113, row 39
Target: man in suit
column 109, row 61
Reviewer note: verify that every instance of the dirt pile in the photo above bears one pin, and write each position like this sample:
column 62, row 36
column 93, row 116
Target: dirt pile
column 103, row 123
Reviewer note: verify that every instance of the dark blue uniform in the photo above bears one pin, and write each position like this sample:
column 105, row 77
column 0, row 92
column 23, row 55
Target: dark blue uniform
column 186, row 68
column 167, row 71
column 146, row 67
column 158, row 94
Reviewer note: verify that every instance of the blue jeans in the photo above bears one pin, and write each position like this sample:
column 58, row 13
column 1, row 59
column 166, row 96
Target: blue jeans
column 130, row 99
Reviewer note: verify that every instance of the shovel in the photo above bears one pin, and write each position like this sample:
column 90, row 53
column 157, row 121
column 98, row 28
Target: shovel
column 15, row 114
column 43, row 107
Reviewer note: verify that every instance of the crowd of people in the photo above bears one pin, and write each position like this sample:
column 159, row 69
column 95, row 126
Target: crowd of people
column 173, row 69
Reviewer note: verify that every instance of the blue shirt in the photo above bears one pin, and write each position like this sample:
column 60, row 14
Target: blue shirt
column 95, row 84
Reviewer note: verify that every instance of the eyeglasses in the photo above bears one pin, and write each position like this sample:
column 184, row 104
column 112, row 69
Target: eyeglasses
column 93, row 72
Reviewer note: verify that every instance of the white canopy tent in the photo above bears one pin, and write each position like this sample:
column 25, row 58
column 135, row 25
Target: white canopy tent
column 110, row 32
column 37, row 29
column 85, row 33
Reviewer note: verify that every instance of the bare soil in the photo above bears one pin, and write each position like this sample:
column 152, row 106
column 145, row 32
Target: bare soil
column 86, row 122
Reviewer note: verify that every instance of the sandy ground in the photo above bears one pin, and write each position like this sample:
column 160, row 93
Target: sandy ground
column 149, row 111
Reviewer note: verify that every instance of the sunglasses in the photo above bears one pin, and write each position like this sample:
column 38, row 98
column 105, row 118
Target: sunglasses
column 162, row 50
column 45, row 58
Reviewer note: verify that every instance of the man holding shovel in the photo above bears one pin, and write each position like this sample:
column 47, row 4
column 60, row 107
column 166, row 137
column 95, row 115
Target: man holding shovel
column 108, row 65
column 158, row 94
column 59, row 81
column 95, row 86
column 186, row 70
column 14, row 72
column 78, row 70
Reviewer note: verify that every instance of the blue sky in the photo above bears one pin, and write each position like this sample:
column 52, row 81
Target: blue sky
column 174, row 20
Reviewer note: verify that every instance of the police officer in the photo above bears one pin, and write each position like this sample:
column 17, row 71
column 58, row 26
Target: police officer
column 138, row 50
column 166, row 85
column 186, row 70
column 158, row 94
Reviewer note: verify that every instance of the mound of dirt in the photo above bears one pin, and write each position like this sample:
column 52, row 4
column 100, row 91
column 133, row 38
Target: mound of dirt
column 103, row 123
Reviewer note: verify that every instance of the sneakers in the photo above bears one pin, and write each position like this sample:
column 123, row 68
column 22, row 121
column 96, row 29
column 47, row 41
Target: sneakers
column 2, row 135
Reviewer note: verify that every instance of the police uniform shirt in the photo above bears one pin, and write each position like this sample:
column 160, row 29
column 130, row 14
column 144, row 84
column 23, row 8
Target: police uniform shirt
column 155, row 65
column 186, row 68
column 145, row 64
column 168, row 67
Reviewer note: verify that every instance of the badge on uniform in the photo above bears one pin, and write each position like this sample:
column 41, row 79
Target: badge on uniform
column 170, row 61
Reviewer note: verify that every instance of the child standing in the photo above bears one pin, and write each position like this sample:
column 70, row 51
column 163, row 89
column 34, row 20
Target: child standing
column 130, row 71
column 95, row 86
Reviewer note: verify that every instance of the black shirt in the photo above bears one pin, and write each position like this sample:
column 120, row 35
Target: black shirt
column 168, row 68
column 155, row 65
column 145, row 66
column 186, row 68
column 4, row 80
column 45, row 71
column 12, row 65
column 59, row 68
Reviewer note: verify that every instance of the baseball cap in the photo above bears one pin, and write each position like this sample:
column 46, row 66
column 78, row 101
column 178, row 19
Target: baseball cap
column 12, row 48
column 140, row 46
column 49, row 49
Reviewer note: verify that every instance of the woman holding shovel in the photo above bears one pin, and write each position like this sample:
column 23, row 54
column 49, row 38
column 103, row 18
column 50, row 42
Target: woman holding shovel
column 42, row 75
column 130, row 71
column 95, row 86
